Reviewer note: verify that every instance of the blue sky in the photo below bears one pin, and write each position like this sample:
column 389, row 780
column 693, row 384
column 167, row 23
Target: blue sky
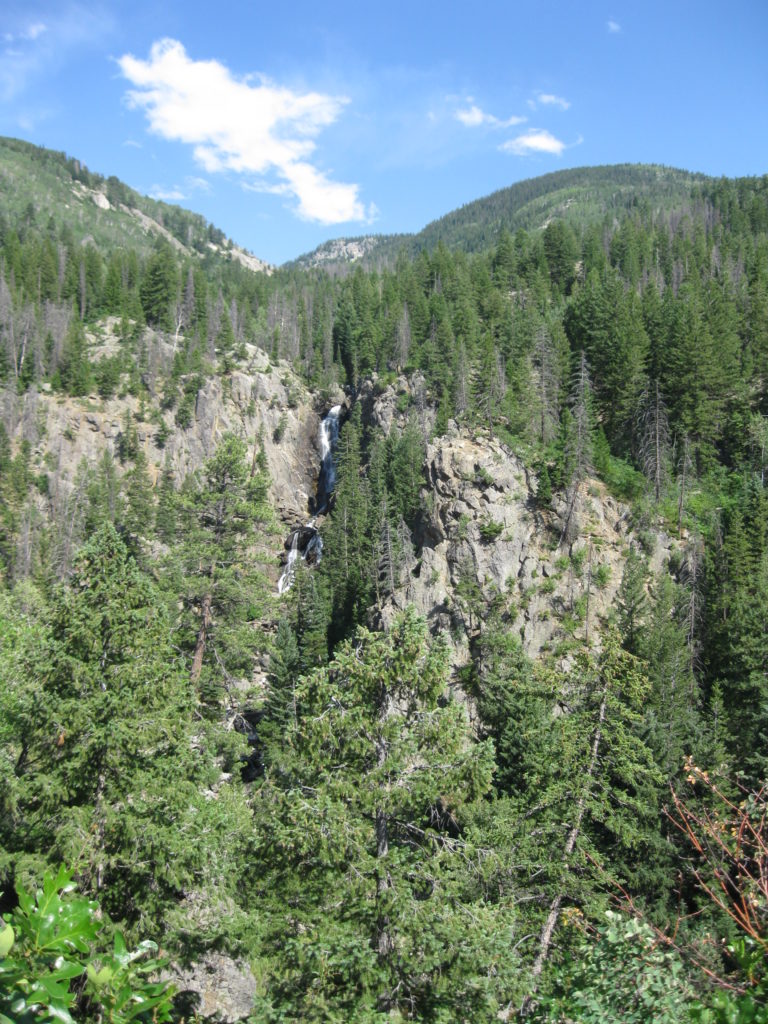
column 288, row 125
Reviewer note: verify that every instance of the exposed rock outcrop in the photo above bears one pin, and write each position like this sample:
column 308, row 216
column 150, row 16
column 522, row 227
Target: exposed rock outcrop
column 485, row 542
column 263, row 404
column 222, row 989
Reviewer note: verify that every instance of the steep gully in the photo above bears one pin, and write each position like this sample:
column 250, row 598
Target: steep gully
column 305, row 542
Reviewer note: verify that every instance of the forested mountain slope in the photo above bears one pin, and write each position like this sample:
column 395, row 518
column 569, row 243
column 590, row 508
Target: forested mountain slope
column 581, row 195
column 525, row 684
column 37, row 184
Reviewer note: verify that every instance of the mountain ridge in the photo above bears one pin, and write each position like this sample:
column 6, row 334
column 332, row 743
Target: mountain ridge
column 527, row 204
column 43, row 181
column 40, row 183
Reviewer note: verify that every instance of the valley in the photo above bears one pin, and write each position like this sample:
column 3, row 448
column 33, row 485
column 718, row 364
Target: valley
column 383, row 634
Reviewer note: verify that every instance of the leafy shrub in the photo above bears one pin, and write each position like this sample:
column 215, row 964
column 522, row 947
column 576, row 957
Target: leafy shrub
column 602, row 575
column 279, row 432
column 185, row 411
column 51, row 941
column 624, row 976
column 578, row 556
column 483, row 477
column 491, row 530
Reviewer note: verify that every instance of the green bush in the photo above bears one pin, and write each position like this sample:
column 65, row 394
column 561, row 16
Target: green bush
column 625, row 976
column 602, row 575
column 491, row 530
column 52, row 958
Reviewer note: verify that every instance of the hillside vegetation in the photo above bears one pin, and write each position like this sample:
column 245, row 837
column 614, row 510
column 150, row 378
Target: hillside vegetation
column 555, row 396
column 40, row 184
column 581, row 196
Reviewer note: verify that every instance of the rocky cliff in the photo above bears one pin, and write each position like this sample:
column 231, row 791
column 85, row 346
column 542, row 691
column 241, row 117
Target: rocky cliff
column 264, row 404
column 484, row 541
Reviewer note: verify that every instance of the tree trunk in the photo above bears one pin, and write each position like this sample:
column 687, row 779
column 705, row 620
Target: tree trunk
column 548, row 928
column 202, row 636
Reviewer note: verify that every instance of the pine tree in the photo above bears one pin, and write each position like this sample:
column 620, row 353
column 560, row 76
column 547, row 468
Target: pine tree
column 672, row 715
column 366, row 807
column 602, row 781
column 104, row 719
column 166, row 508
column 632, row 601
column 215, row 565
column 139, row 498
column 158, row 287
column 578, row 446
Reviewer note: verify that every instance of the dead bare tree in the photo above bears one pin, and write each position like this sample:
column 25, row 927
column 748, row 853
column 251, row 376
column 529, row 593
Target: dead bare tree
column 578, row 452
column 654, row 438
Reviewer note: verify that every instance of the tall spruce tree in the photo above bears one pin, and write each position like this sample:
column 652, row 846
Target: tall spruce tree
column 103, row 720
column 215, row 567
column 361, row 835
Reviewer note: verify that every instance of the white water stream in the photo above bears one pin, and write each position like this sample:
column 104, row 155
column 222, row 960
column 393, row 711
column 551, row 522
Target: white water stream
column 329, row 435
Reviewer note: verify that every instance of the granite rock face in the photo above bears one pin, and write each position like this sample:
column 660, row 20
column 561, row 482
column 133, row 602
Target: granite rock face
column 263, row 404
column 221, row 989
column 485, row 542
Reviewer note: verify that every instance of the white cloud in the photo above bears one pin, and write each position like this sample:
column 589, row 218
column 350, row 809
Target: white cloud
column 547, row 99
column 249, row 126
column 613, row 26
column 198, row 184
column 537, row 140
column 474, row 117
column 27, row 35
column 175, row 193
column 34, row 31
column 170, row 195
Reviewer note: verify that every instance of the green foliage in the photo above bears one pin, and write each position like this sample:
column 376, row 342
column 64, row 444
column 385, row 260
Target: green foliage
column 50, row 945
column 749, row 1006
column 214, row 568
column 102, row 715
column 622, row 975
column 648, row 283
column 364, row 805
column 491, row 531
column 544, row 487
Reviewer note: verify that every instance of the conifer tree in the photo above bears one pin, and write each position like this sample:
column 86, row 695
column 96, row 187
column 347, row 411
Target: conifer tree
column 158, row 287
column 215, row 565
column 672, row 714
column 367, row 807
column 96, row 740
column 139, row 498
column 605, row 781
column 578, row 446
column 632, row 601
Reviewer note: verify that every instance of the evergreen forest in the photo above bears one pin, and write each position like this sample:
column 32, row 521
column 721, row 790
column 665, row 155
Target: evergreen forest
column 312, row 790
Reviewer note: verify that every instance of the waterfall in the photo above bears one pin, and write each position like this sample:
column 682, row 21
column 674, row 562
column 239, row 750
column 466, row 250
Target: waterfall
column 305, row 541
column 329, row 435
column 285, row 581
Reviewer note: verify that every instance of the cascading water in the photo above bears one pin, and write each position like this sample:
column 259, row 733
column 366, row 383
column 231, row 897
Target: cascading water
column 305, row 542
column 329, row 435
column 286, row 579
